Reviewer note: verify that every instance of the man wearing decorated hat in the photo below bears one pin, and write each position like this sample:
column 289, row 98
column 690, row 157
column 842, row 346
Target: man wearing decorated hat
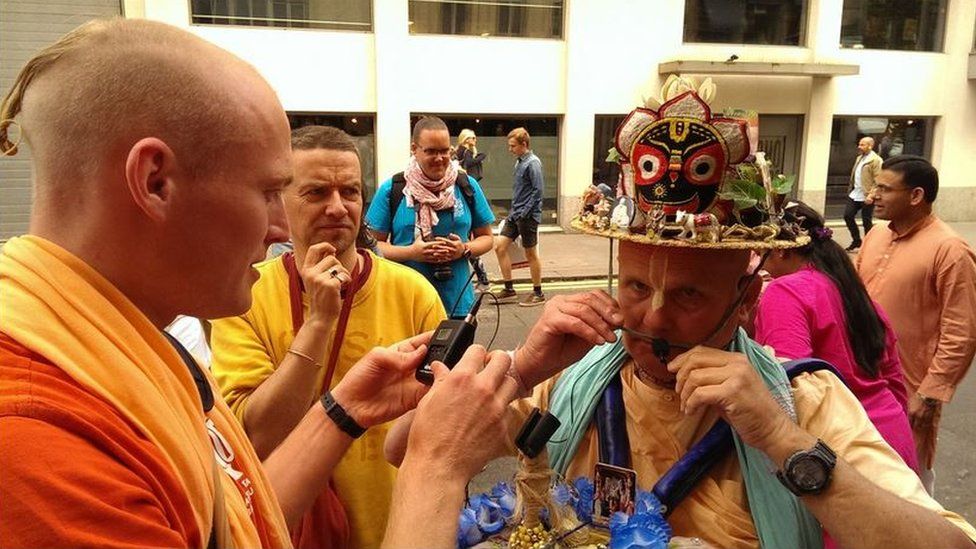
column 740, row 450
column 683, row 364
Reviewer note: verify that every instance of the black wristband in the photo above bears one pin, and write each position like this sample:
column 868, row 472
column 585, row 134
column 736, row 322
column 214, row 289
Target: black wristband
column 338, row 415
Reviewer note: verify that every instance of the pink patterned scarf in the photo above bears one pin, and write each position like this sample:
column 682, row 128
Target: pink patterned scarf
column 427, row 196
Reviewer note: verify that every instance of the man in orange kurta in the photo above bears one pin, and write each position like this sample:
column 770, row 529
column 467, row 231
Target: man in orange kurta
column 153, row 198
column 924, row 276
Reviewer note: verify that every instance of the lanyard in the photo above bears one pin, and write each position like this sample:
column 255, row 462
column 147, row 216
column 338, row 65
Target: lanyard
column 295, row 290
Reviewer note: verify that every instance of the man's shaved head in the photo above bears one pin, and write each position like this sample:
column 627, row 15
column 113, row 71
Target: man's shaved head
column 102, row 87
column 159, row 160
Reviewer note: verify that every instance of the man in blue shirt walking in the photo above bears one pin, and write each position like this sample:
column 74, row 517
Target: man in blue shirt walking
column 523, row 219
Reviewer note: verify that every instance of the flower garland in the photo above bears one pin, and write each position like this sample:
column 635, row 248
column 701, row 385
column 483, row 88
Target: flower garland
column 488, row 514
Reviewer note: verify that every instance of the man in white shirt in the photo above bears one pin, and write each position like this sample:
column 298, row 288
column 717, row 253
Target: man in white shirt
column 860, row 190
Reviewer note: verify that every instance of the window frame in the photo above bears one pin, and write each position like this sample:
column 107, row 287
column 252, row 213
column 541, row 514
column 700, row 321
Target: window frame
column 271, row 26
column 411, row 25
column 802, row 42
column 938, row 48
column 377, row 179
column 927, row 148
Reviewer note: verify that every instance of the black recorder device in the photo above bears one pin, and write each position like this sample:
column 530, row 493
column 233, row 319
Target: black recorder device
column 449, row 342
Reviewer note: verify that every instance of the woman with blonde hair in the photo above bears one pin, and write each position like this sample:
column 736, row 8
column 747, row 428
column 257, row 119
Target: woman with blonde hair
column 467, row 154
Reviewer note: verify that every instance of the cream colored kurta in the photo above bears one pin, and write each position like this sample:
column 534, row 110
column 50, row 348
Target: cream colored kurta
column 717, row 509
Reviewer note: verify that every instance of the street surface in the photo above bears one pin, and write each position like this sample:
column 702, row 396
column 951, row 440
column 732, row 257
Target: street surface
column 956, row 460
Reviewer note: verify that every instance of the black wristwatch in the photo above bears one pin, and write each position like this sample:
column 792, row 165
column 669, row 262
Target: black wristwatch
column 808, row 472
column 339, row 416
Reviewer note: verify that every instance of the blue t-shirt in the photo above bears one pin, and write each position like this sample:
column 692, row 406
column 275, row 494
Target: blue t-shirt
column 461, row 223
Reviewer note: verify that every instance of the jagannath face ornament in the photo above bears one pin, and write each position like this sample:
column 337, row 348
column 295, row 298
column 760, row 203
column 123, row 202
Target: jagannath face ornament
column 677, row 156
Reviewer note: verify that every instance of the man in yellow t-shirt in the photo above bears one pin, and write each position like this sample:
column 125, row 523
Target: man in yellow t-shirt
column 314, row 314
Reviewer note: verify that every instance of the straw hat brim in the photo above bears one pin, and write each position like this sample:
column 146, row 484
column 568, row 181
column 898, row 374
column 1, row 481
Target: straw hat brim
column 680, row 243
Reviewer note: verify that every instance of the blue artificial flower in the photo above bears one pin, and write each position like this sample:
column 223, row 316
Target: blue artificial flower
column 647, row 502
column 504, row 496
column 651, row 521
column 618, row 520
column 635, row 537
column 646, row 529
column 562, row 495
column 584, row 501
column 488, row 514
column 468, row 532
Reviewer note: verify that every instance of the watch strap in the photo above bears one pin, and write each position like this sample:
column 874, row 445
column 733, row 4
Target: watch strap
column 338, row 415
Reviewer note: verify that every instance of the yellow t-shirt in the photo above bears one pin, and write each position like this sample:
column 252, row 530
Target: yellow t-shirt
column 717, row 509
column 394, row 304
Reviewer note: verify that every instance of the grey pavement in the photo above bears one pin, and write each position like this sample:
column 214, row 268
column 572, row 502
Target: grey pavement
column 575, row 257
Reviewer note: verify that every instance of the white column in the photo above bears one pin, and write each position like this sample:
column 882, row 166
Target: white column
column 393, row 90
column 134, row 9
column 823, row 41
column 165, row 11
column 576, row 130
column 954, row 139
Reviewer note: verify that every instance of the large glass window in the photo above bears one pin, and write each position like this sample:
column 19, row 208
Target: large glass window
column 499, row 164
column 892, row 135
column 362, row 129
column 604, row 132
column 894, row 24
column 353, row 15
column 519, row 18
column 768, row 22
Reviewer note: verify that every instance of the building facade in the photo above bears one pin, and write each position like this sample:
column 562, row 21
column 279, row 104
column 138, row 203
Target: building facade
column 820, row 73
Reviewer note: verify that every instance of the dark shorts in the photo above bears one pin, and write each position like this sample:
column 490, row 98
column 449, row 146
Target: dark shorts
column 527, row 228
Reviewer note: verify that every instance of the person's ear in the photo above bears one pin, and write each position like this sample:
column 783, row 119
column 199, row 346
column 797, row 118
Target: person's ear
column 752, row 290
column 149, row 170
column 413, row 148
column 917, row 196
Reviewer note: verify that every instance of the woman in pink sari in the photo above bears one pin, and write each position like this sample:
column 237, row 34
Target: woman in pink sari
column 817, row 306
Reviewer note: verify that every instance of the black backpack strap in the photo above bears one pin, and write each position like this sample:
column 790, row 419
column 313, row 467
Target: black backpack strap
column 396, row 194
column 675, row 484
column 466, row 190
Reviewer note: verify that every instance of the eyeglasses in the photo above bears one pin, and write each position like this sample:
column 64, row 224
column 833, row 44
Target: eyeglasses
column 436, row 152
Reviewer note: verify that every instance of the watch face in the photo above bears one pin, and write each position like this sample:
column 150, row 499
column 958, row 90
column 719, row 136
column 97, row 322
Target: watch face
column 808, row 473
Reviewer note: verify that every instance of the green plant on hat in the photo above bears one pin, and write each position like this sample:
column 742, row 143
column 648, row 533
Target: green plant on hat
column 753, row 199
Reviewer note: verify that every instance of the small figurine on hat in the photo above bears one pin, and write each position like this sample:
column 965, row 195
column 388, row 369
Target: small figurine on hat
column 622, row 214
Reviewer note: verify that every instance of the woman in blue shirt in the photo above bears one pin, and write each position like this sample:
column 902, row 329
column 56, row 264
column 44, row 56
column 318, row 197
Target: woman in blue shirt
column 429, row 231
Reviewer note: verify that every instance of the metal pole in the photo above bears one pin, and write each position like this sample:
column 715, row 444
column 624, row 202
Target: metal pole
column 610, row 269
